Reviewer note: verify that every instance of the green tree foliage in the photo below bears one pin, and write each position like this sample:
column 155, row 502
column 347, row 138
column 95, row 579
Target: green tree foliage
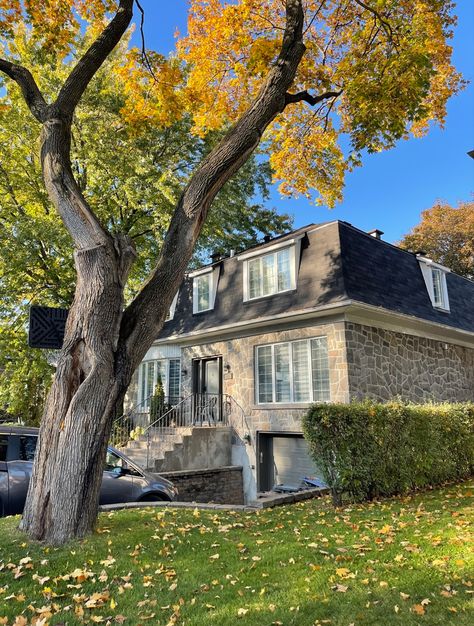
column 131, row 176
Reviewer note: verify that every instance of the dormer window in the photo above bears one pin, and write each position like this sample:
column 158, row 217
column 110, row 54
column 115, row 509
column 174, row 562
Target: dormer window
column 438, row 299
column 204, row 289
column 435, row 281
column 172, row 308
column 272, row 272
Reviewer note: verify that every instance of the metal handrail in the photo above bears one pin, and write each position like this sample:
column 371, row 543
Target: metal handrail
column 197, row 409
column 170, row 411
column 134, row 420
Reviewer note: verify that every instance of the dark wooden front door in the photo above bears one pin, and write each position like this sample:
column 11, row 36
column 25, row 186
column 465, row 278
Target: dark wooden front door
column 207, row 388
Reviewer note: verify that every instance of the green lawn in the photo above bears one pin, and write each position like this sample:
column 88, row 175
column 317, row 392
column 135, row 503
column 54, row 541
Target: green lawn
column 401, row 561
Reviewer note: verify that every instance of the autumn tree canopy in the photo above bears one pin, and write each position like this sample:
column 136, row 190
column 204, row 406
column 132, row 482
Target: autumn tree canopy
column 132, row 178
column 446, row 234
column 372, row 73
column 298, row 80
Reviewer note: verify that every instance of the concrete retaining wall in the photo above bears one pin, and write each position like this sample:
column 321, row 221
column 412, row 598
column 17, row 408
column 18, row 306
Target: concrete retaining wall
column 205, row 447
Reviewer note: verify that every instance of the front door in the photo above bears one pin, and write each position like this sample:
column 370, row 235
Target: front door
column 207, row 388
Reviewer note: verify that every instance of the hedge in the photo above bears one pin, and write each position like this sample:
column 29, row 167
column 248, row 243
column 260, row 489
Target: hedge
column 367, row 450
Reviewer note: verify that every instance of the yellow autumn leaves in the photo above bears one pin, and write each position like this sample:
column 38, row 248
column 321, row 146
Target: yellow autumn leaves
column 393, row 68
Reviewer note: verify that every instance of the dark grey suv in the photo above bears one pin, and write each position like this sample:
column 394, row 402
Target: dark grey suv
column 123, row 480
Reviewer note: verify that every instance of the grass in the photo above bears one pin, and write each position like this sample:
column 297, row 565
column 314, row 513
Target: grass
column 401, row 561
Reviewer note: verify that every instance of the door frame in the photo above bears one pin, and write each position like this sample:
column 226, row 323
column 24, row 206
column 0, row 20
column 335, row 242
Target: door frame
column 198, row 365
column 199, row 379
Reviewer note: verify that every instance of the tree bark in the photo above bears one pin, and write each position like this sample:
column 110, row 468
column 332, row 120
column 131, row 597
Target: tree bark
column 104, row 343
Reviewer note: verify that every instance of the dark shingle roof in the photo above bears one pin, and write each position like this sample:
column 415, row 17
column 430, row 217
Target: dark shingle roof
column 338, row 262
column 380, row 274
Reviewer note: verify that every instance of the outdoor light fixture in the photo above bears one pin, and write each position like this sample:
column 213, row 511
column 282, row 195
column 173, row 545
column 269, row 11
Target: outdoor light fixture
column 184, row 372
column 227, row 367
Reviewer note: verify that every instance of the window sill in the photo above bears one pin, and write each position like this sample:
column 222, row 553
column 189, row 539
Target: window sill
column 282, row 407
column 201, row 312
column 270, row 295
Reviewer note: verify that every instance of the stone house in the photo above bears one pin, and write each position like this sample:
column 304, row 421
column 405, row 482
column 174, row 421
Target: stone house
column 327, row 313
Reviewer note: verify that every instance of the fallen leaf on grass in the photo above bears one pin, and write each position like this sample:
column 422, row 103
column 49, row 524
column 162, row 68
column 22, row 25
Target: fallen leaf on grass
column 419, row 609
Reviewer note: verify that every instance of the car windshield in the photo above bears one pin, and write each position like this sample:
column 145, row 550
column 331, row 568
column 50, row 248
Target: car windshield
column 112, row 461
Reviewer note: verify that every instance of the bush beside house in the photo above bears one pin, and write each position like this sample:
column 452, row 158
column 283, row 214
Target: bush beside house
column 367, row 450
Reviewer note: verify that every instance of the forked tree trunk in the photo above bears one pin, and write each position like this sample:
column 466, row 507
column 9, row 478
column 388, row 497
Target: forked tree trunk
column 104, row 342
column 64, row 490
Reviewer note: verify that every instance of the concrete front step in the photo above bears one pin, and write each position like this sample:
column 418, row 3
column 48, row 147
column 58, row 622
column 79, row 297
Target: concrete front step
column 138, row 444
column 199, row 446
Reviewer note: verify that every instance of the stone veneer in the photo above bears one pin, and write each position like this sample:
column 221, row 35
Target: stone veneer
column 239, row 383
column 384, row 364
column 364, row 362
column 221, row 485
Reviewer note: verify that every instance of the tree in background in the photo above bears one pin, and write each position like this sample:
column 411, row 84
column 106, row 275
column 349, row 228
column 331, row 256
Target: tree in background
column 446, row 234
column 133, row 178
column 291, row 76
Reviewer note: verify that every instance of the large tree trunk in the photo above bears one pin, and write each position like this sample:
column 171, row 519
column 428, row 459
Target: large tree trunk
column 64, row 490
column 104, row 342
column 91, row 377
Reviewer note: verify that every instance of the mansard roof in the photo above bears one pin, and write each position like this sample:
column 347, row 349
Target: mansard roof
column 339, row 264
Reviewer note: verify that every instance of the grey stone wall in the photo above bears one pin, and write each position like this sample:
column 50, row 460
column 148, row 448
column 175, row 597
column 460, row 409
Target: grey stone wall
column 383, row 364
column 223, row 485
column 240, row 381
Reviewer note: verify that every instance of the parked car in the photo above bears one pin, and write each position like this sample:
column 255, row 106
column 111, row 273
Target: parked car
column 123, row 480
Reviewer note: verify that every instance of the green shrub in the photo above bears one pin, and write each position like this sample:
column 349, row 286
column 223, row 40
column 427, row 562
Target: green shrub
column 158, row 406
column 367, row 450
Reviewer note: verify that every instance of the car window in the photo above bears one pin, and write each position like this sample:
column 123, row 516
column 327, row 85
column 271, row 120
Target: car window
column 27, row 448
column 3, row 447
column 112, row 461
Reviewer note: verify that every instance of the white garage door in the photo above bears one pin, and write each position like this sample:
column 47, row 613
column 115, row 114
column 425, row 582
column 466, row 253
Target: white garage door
column 292, row 461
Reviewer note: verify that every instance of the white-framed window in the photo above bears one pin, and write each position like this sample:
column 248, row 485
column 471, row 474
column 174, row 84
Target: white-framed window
column 172, row 308
column 204, row 289
column 170, row 372
column 438, row 295
column 434, row 276
column 291, row 372
column 271, row 271
column 269, row 274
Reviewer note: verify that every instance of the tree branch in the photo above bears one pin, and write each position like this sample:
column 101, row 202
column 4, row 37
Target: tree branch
column 305, row 96
column 144, row 317
column 87, row 66
column 30, row 90
column 385, row 25
column 145, row 57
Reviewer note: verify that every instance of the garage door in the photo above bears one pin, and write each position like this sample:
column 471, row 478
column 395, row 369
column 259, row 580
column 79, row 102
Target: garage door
column 284, row 460
column 292, row 461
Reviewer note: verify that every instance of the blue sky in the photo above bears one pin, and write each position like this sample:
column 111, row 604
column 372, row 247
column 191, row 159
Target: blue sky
column 392, row 188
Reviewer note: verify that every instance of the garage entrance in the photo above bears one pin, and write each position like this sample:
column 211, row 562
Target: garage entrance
column 283, row 458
